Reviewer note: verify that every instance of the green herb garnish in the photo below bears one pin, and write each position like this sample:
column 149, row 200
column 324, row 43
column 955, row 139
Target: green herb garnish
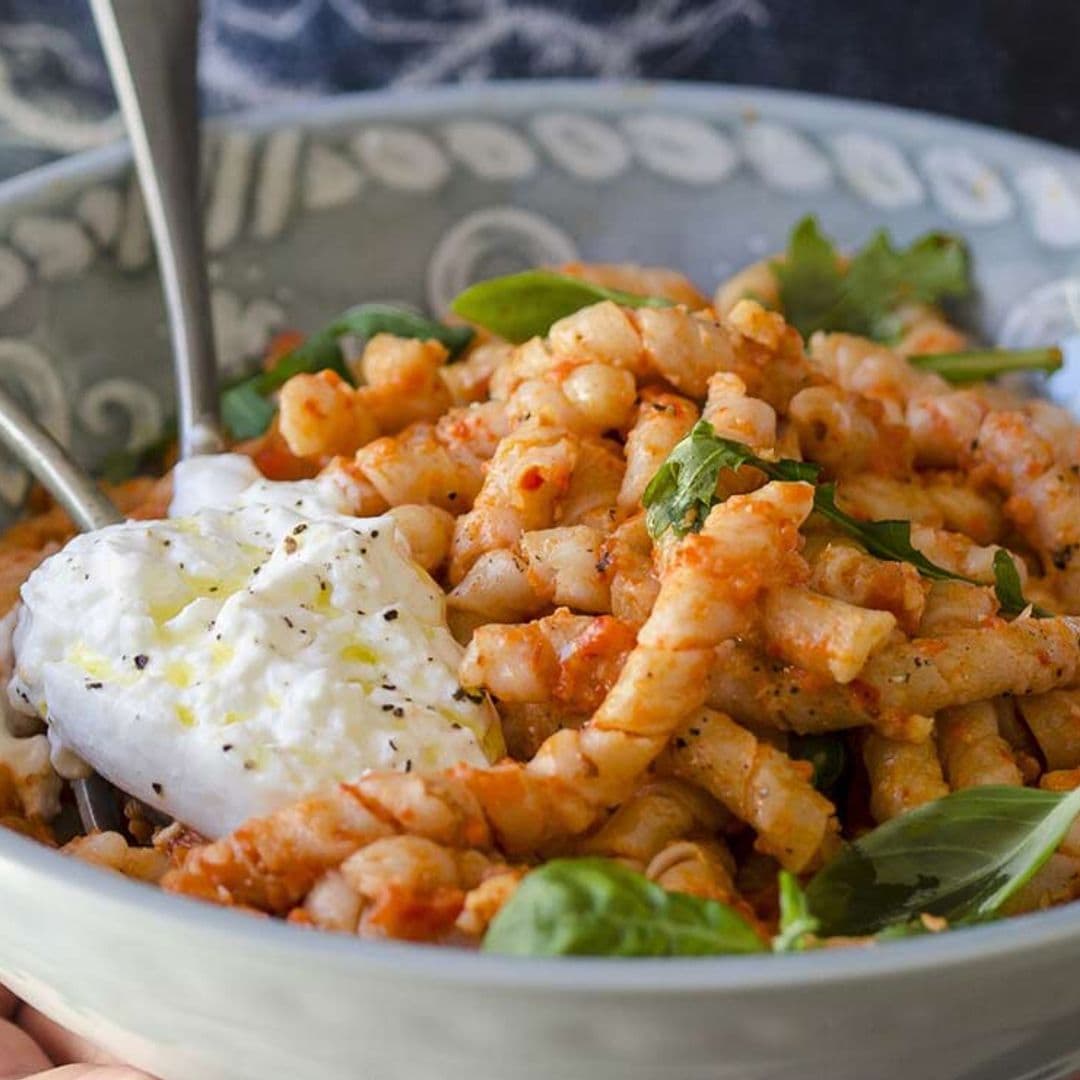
column 521, row 306
column 961, row 858
column 889, row 540
column 818, row 293
column 797, row 924
column 597, row 907
column 979, row 364
column 245, row 409
column 1009, row 590
column 827, row 753
column 683, row 491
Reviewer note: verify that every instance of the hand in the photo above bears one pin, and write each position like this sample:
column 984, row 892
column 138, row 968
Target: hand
column 32, row 1047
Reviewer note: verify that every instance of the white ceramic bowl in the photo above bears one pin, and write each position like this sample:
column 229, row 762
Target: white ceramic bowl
column 316, row 207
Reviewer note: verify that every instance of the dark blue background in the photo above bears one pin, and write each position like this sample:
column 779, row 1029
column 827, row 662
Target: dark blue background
column 1011, row 63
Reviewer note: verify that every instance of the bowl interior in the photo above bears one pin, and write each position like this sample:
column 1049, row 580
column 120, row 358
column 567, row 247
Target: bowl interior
column 412, row 197
column 315, row 208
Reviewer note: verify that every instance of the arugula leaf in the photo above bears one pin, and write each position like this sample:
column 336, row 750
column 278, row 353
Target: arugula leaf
column 961, row 857
column 244, row 408
column 885, row 539
column 827, row 753
column 892, row 540
column 597, row 907
column 816, row 293
column 1009, row 591
column 979, row 364
column 1007, row 581
column 683, row 490
column 521, row 306
column 797, row 924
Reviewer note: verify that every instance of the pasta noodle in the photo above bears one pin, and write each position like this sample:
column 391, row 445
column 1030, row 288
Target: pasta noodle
column 657, row 686
column 972, row 749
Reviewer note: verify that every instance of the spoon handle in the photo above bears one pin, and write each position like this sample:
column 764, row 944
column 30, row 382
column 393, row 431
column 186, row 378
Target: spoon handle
column 151, row 49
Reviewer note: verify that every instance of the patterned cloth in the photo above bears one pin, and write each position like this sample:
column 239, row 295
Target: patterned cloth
column 997, row 61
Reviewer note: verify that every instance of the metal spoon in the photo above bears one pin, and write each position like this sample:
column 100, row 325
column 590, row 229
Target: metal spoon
column 152, row 52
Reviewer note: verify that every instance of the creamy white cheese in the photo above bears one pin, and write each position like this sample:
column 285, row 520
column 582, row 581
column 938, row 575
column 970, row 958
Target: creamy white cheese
column 221, row 664
column 225, row 481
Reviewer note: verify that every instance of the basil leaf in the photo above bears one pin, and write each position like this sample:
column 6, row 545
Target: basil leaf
column 827, row 753
column 797, row 924
column 245, row 416
column 245, row 412
column 961, row 858
column 683, row 490
column 816, row 293
column 521, row 306
column 597, row 907
column 367, row 320
column 980, row 364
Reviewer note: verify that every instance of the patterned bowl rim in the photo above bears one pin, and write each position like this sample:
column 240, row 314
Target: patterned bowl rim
column 523, row 96
column 1042, row 933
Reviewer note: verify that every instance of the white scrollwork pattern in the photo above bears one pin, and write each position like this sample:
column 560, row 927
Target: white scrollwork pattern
column 498, row 240
column 876, row 170
column 582, row 145
column 966, row 187
column 122, row 399
column 491, row 151
column 682, row 147
column 401, row 158
column 32, row 377
column 785, row 158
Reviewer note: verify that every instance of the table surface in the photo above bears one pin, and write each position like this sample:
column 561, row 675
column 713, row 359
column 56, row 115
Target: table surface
column 1004, row 62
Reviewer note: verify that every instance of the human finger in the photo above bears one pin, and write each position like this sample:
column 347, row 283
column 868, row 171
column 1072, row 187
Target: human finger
column 62, row 1046
column 91, row 1072
column 20, row 1056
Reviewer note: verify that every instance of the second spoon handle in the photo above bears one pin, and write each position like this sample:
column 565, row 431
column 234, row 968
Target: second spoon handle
column 35, row 448
column 151, row 49
column 38, row 451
